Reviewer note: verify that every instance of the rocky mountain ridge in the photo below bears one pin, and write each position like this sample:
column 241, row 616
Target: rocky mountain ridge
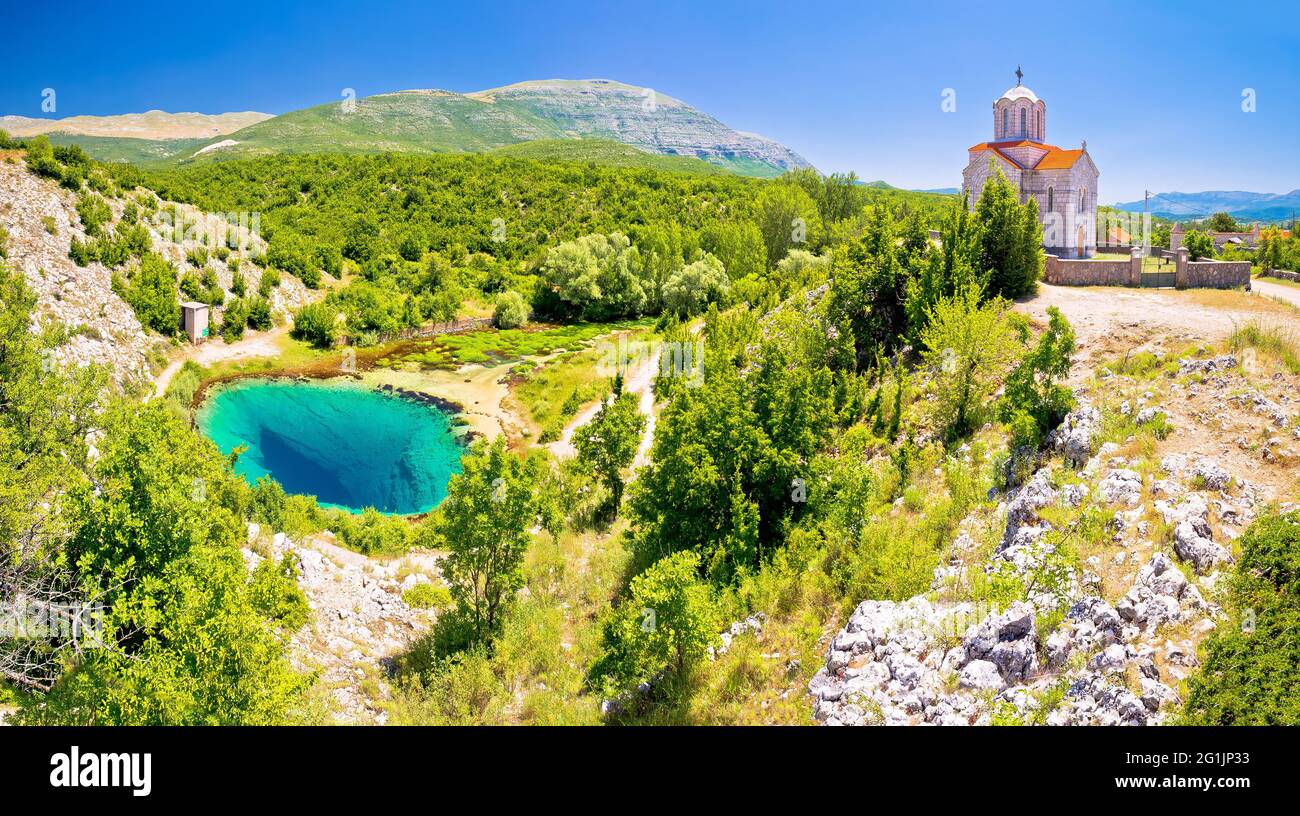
column 154, row 125
column 440, row 121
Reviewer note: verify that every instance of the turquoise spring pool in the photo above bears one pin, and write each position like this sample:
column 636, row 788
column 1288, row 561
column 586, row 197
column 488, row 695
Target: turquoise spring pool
column 348, row 445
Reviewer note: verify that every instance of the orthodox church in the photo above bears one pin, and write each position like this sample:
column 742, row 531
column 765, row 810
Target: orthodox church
column 1064, row 182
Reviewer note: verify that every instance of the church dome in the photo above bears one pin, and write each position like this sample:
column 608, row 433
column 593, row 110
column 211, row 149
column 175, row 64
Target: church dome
column 1020, row 92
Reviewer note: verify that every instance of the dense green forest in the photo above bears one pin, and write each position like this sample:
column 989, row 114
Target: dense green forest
column 433, row 230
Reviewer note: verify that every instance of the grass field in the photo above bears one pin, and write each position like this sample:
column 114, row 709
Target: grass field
column 500, row 346
column 548, row 395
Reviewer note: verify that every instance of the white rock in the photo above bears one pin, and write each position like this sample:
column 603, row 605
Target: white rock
column 981, row 675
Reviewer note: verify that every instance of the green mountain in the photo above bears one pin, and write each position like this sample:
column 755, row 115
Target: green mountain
column 435, row 121
column 604, row 152
column 135, row 151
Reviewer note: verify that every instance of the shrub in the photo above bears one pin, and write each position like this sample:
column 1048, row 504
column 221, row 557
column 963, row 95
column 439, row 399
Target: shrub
column 259, row 314
column 197, row 257
column 968, row 344
column 1250, row 667
column 82, row 253
column 94, row 213
column 511, row 311
column 270, row 279
column 373, row 532
column 274, row 591
column 234, row 320
column 314, row 323
column 151, row 293
column 1033, row 386
column 329, row 259
column 427, row 596
column 667, row 623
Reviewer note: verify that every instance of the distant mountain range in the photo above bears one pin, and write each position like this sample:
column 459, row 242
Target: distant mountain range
column 1243, row 206
column 884, row 185
column 434, row 121
column 151, row 125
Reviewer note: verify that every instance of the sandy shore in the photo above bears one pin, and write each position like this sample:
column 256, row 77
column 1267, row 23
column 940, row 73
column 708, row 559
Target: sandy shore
column 479, row 390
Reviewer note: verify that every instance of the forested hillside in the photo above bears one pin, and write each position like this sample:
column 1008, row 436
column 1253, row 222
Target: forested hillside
column 432, row 229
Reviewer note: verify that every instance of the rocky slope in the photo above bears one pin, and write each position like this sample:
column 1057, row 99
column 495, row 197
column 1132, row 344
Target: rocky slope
column 1107, row 642
column 359, row 620
column 643, row 118
column 41, row 220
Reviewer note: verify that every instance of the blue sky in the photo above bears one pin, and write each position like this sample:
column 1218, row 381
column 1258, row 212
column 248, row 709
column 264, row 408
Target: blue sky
column 1154, row 87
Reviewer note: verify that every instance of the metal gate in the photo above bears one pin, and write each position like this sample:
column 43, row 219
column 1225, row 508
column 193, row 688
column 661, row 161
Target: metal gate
column 1158, row 280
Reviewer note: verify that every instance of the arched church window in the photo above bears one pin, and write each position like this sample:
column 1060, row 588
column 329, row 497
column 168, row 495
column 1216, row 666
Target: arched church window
column 1004, row 121
column 1083, row 201
column 1022, row 121
column 1051, row 199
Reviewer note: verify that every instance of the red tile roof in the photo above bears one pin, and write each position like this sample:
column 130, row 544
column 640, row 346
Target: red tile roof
column 1058, row 159
column 1055, row 158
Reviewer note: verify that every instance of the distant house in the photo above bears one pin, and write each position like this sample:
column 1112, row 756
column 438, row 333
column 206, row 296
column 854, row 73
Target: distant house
column 194, row 321
column 1248, row 240
column 1064, row 182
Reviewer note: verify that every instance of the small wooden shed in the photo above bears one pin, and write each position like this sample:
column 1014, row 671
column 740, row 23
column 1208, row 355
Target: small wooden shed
column 194, row 320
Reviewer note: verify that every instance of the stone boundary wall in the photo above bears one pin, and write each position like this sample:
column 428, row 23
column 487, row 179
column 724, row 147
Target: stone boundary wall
column 1282, row 274
column 1092, row 272
column 1213, row 274
column 1113, row 272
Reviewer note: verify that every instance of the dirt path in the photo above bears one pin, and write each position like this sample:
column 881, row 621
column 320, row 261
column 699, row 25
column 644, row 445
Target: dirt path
column 1114, row 320
column 215, row 350
column 1279, row 291
column 639, row 380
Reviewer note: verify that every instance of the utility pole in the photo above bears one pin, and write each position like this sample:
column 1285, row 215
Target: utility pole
column 1146, row 222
